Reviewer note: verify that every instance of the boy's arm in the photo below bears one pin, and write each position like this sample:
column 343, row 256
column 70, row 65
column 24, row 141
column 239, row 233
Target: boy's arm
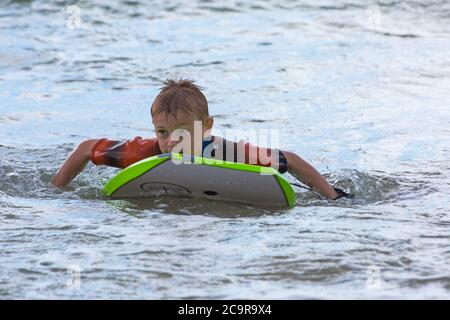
column 74, row 164
column 304, row 171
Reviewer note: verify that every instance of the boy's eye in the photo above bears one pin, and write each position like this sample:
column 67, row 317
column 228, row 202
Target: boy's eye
column 162, row 132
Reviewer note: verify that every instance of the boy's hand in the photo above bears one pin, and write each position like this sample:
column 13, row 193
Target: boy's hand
column 74, row 164
column 306, row 173
column 342, row 194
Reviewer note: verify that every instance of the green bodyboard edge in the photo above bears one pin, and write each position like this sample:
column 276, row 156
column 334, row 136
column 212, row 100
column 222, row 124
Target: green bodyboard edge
column 137, row 169
column 287, row 190
column 132, row 172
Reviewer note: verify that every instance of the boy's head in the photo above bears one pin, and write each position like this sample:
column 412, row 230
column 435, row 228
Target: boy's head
column 180, row 104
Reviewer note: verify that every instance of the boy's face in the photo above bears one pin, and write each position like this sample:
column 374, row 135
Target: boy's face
column 168, row 128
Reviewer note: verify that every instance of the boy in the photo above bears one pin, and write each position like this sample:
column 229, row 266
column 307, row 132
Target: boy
column 178, row 109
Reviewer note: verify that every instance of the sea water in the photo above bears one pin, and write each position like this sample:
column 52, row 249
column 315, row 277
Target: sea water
column 360, row 89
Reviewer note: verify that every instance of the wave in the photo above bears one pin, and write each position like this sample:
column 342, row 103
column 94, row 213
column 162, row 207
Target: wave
column 27, row 173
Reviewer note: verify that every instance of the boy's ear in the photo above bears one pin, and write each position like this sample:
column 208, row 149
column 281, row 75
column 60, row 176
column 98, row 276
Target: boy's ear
column 209, row 123
column 207, row 126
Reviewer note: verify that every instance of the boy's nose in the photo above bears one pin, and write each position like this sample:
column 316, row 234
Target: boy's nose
column 171, row 144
